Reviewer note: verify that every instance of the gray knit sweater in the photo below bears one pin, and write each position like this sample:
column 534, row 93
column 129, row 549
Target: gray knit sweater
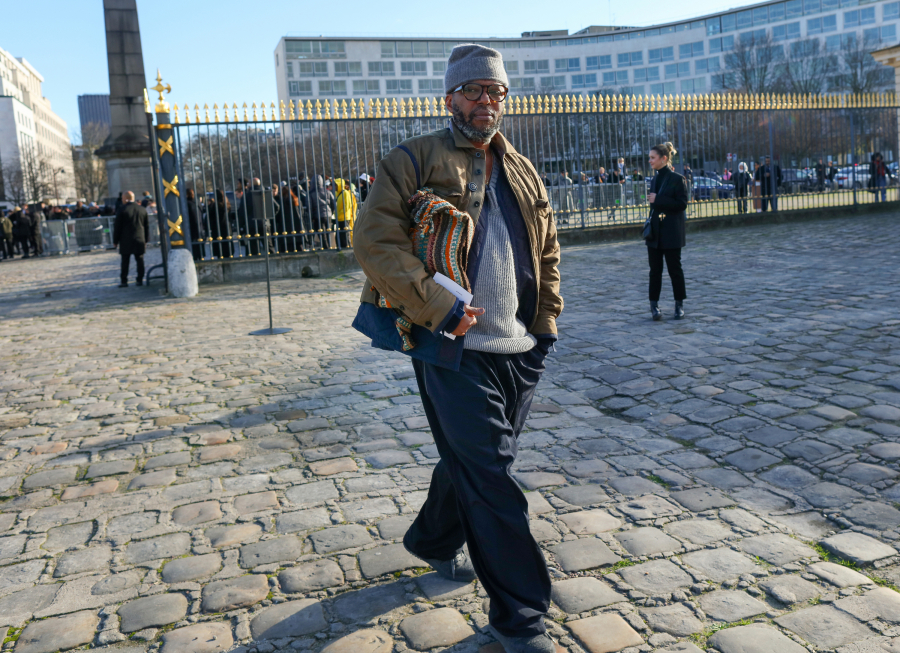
column 498, row 331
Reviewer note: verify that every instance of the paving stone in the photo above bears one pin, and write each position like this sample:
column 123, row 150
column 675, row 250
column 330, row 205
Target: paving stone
column 806, row 525
column 389, row 458
column 701, row 499
column 586, row 468
column 578, row 595
column 724, row 479
column 133, row 525
column 228, row 535
column 867, row 474
column 537, row 504
column 165, row 546
column 719, row 564
column 110, row 468
column 339, row 538
column 844, row 437
column 159, row 610
column 858, row 548
column 875, row 515
column 776, row 549
column 197, row 513
column 679, row 647
column 825, row 626
column 280, row 549
column 68, row 535
column 363, row 604
column 158, row 478
column 335, row 466
column 771, row 436
column 368, row 640
column 94, row 558
column 290, row 619
column 394, row 528
column 634, row 486
column 750, row 460
column 790, row 589
column 648, row 507
column 207, row 637
column 536, row 480
column 885, row 450
column 838, row 575
column 58, row 633
column 833, row 413
column 302, row 520
column 192, row 568
column 386, row 560
column 604, row 633
column 438, row 588
column 19, row 607
column 646, row 541
column 240, row 592
column 220, row 452
column 809, row 450
column 676, row 619
column 311, row 494
column 880, row 603
column 369, row 483
column 590, row 522
column 62, row 476
column 169, row 460
column 729, row 605
column 788, row 477
column 755, row 638
column 656, row 576
column 586, row 553
column 369, row 509
column 698, row 531
column 311, row 576
column 440, row 627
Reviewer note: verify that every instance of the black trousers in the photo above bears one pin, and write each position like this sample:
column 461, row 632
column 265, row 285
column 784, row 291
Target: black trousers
column 127, row 251
column 765, row 203
column 742, row 203
column 6, row 247
column 673, row 265
column 476, row 416
column 22, row 241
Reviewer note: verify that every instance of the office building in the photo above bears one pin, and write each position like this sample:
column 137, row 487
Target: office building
column 94, row 110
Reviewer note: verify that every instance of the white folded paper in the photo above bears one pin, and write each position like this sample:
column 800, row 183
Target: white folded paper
column 458, row 291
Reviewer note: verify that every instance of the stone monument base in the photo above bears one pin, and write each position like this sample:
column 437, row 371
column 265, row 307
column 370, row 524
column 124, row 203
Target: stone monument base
column 131, row 173
column 182, row 273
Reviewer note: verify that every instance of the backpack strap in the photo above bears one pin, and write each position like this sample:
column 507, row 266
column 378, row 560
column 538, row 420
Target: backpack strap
column 415, row 165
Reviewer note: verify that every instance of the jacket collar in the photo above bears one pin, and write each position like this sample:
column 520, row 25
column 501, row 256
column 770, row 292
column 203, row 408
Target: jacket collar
column 498, row 142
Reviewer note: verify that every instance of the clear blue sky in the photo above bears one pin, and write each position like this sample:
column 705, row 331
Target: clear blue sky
column 222, row 50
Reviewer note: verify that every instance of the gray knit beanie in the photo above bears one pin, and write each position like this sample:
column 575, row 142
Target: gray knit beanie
column 469, row 62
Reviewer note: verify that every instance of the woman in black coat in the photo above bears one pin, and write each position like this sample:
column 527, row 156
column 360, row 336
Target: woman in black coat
column 219, row 227
column 668, row 200
column 195, row 225
column 741, row 180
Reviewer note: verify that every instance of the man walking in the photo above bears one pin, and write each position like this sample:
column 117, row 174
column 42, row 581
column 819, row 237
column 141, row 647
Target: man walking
column 476, row 388
column 771, row 179
column 22, row 229
column 131, row 231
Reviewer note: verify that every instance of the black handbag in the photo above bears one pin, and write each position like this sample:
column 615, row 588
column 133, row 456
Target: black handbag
column 650, row 227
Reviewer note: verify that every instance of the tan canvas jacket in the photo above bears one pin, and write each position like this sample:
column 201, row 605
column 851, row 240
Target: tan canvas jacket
column 454, row 169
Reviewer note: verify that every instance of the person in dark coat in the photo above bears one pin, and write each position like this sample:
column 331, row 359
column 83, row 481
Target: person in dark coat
column 195, row 224
column 766, row 174
column 820, row 175
column 879, row 176
column 668, row 200
column 322, row 205
column 217, row 211
column 131, row 231
column 742, row 180
column 22, row 230
column 37, row 219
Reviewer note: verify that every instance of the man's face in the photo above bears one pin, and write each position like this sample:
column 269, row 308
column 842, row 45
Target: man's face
column 478, row 120
column 768, row 161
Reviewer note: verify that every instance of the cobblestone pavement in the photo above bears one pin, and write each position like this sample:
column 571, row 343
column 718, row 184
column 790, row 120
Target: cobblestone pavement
column 722, row 483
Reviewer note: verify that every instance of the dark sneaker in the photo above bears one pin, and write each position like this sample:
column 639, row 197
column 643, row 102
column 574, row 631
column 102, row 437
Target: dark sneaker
column 535, row 644
column 139, row 283
column 679, row 311
column 458, row 568
column 123, row 285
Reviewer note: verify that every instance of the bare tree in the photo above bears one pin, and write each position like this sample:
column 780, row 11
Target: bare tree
column 859, row 72
column 12, row 183
column 752, row 66
column 28, row 178
column 809, row 68
column 91, row 180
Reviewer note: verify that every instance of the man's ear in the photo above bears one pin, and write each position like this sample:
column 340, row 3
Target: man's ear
column 448, row 102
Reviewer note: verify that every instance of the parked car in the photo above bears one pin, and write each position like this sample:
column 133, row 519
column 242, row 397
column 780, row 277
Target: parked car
column 796, row 180
column 855, row 176
column 704, row 187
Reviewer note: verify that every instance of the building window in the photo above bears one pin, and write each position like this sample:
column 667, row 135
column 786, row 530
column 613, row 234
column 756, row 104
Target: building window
column 584, row 81
column 601, row 62
column 333, row 88
column 668, row 88
column 859, row 17
column 569, row 65
column 889, row 33
column 315, row 49
column 891, row 11
column 703, row 66
column 556, row 82
column 414, row 68
column 527, row 84
column 659, row 55
column 366, row 87
column 646, row 74
column 411, row 48
column 440, row 67
column 387, row 49
column 717, row 82
column 537, row 66
column 753, row 36
column 347, row 69
column 688, row 50
column 297, row 89
column 398, row 86
column 821, row 25
column 312, row 68
column 674, row 70
column 760, row 15
column 801, row 49
column 786, row 32
column 431, row 86
column 744, row 19
column 632, row 90
column 381, row 69
column 290, row 68
column 793, row 9
column 723, row 44
column 512, row 67
column 693, row 85
column 631, row 58
column 618, row 78
column 833, row 43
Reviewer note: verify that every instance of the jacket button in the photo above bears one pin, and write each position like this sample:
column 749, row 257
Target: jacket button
column 478, row 172
column 477, row 155
column 428, row 324
column 401, row 307
column 477, row 204
column 473, row 187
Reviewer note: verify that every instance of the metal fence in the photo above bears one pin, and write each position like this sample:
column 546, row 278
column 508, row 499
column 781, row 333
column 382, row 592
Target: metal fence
column 568, row 139
column 86, row 234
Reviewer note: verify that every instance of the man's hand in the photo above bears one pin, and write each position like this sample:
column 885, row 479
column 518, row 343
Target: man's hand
column 468, row 320
column 651, row 197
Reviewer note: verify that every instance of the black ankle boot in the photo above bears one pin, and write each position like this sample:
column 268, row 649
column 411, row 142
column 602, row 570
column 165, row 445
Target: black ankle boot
column 654, row 311
column 679, row 310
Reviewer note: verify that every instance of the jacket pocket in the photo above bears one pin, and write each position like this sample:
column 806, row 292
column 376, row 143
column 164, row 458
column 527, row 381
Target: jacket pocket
column 452, row 195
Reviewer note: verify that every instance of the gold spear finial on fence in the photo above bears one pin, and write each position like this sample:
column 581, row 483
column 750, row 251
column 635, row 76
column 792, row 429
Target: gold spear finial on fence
column 206, row 113
column 162, row 106
column 187, row 113
column 197, row 113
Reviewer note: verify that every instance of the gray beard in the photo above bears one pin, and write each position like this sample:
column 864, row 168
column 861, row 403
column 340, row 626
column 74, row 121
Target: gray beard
column 470, row 131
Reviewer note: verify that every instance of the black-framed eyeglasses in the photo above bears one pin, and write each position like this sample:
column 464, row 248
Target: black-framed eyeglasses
column 473, row 92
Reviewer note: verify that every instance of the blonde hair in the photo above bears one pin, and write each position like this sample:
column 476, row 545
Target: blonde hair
column 667, row 150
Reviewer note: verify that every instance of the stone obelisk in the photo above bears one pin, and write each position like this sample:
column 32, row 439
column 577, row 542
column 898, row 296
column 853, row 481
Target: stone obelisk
column 127, row 149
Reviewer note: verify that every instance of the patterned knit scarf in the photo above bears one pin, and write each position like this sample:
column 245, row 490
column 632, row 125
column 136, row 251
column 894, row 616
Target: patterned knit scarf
column 441, row 236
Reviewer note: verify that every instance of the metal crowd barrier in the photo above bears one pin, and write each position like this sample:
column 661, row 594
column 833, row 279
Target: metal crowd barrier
column 74, row 235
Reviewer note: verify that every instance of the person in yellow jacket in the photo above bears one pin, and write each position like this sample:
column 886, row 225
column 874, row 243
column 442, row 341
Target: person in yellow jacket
column 346, row 211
